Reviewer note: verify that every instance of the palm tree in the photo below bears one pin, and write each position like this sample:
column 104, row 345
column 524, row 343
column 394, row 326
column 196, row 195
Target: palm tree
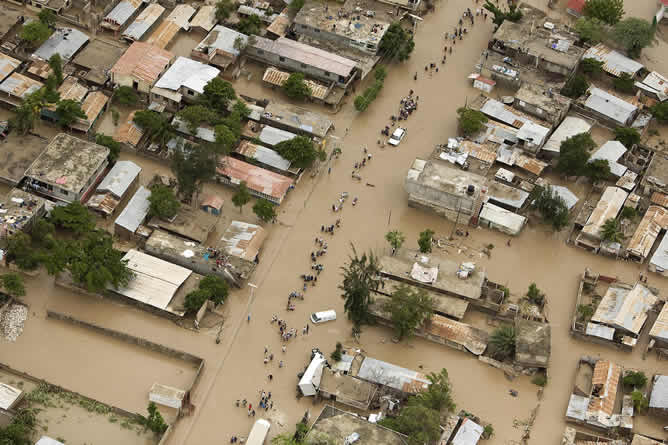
column 502, row 342
column 610, row 231
column 360, row 277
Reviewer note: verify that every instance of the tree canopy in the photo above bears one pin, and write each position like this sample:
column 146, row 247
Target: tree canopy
column 193, row 165
column 47, row 16
column 608, row 11
column 264, row 210
column 396, row 43
column 67, row 112
column 35, row 33
column 424, row 240
column 217, row 94
column 211, row 288
column 56, row 65
column 591, row 30
column 627, row 136
column 196, row 115
column 395, row 238
column 163, row 203
column 660, row 111
column 575, row 87
column 125, row 95
column 13, row 285
column 94, row 263
column 360, row 278
column 300, row 151
column 470, row 121
column 296, row 88
column 296, row 6
column 242, row 196
column 109, row 142
column 633, row 34
column 574, row 154
column 624, row 83
column 502, row 342
column 224, row 9
column 74, row 217
column 592, row 67
column 611, row 232
column 156, row 125
column 551, row 206
column 250, row 25
column 408, row 309
column 513, row 13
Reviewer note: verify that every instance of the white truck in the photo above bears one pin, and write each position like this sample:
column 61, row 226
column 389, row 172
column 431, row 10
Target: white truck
column 310, row 381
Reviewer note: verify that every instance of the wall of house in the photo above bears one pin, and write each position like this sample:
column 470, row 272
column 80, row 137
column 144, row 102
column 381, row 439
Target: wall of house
column 293, row 65
column 128, row 81
column 441, row 202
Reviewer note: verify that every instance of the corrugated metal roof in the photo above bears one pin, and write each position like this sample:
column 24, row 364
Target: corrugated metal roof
column 599, row 330
column 659, row 397
column 471, row 338
column 394, row 376
column 532, row 165
column 263, row 155
column 660, row 257
column 71, row 89
column 660, row 328
column 654, row 221
column 122, row 12
column 143, row 61
column 502, row 217
column 143, row 22
column 568, row 128
column 256, row 178
column 564, row 193
column 249, row 10
column 577, row 407
column 606, row 375
column 7, row 66
column 203, row 133
column 281, row 24
column 222, row 39
column 657, row 84
column 625, row 309
column 614, row 62
column 497, row 110
column 187, row 73
column 627, row 181
column 610, row 106
column 93, row 104
column 277, row 77
column 163, row 34
column 63, row 41
column 243, row 240
column 272, row 136
column 155, row 282
column 181, row 16
column 469, row 433
column 205, row 18
column 307, row 55
column 608, row 207
column 659, row 198
column 119, row 178
column 103, row 202
column 135, row 212
column 478, row 151
column 611, row 151
column 8, row 396
column 129, row 132
column 533, row 133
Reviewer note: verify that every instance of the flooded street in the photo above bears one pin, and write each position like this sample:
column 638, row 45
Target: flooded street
column 234, row 369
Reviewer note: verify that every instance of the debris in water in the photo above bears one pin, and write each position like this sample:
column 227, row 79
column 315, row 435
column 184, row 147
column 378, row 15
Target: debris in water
column 513, row 393
column 12, row 321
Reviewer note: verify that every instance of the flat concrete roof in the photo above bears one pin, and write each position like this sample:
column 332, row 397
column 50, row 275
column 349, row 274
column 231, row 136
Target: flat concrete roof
column 444, row 304
column 189, row 223
column 17, row 209
column 298, row 118
column 441, row 176
column 17, row 155
column 338, row 425
column 99, row 56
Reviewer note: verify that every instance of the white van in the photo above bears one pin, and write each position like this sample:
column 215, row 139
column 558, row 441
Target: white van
column 259, row 432
column 321, row 317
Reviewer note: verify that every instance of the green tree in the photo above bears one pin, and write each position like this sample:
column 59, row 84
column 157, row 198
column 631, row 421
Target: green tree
column 191, row 166
column 660, row 111
column 20, row 252
column 336, row 355
column 67, row 112
column 94, row 263
column 74, row 217
column 396, row 43
column 363, row 101
column 196, row 115
column 35, row 33
column 210, row 288
column 286, row 438
column 574, row 154
column 628, row 213
column 224, row 9
column 420, row 424
column 438, row 395
column 21, row 428
column 300, row 151
column 585, row 311
column 264, row 210
column 408, row 309
column 395, row 238
column 125, row 95
column 591, row 30
column 109, row 142
column 640, row 402
column 296, row 88
column 13, row 284
column 624, row 83
column 47, row 17
column 627, row 136
column 470, row 121
column 56, row 64
column 241, row 109
column 424, row 240
column 154, row 421
column 608, row 11
column 156, row 125
column 296, row 6
column 502, row 342
column 50, row 94
column 598, row 170
column 250, row 25
column 635, row 379
column 56, row 255
column 633, row 34
column 27, row 113
column 163, row 203
column 242, row 196
column 575, row 87
column 513, row 13
column 551, row 206
column 194, row 300
column 488, row 431
column 610, row 231
column 217, row 94
column 360, row 278
column 226, row 140
column 592, row 67
column 535, row 295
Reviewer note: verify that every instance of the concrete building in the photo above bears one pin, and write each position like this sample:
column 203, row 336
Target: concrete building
column 177, row 20
column 242, row 242
column 340, row 425
column 614, row 63
column 67, row 169
column 532, row 343
column 662, row 12
column 19, row 210
column 601, row 403
column 93, row 106
column 654, row 222
column 260, row 182
column 495, row 217
column 140, row 67
column 544, row 103
column 659, row 261
column 625, row 310
column 143, row 23
column 7, row 66
column 346, row 389
column 296, row 119
column 183, row 82
column 133, row 215
column 119, row 184
column 611, row 151
column 189, row 223
column 15, row 88
column 655, row 178
column 65, row 42
column 658, row 399
column 659, row 331
column 94, row 62
column 394, row 378
column 450, row 192
column 575, row 7
column 347, row 26
column 655, row 86
column 295, row 56
column 218, row 47
column 608, row 207
column 205, row 19
column 570, row 127
column 608, row 108
column 121, row 14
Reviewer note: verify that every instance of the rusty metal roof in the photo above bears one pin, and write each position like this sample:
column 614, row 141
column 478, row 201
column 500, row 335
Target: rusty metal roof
column 129, row 132
column 243, row 240
column 205, row 18
column 280, row 24
column 478, row 151
column 256, row 178
column 614, row 62
column 19, row 85
column 660, row 328
column 40, row 68
column 471, row 338
column 143, row 22
column 531, row 165
column 71, row 89
column 277, row 77
column 7, row 66
column 654, row 221
column 606, row 375
column 143, row 61
column 659, row 198
column 163, row 34
column 625, row 309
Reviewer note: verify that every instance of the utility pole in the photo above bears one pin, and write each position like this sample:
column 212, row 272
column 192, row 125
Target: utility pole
column 250, row 302
column 459, row 208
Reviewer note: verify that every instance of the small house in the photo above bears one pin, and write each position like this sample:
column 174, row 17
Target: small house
column 658, row 399
column 19, row 211
column 140, row 67
column 133, row 215
column 212, row 204
column 121, row 14
column 184, row 81
column 119, row 183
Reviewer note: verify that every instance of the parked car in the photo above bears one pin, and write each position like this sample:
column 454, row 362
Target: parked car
column 397, row 136
column 321, row 317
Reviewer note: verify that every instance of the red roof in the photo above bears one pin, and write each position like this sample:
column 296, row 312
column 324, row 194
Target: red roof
column 578, row 5
column 665, row 2
column 256, row 178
